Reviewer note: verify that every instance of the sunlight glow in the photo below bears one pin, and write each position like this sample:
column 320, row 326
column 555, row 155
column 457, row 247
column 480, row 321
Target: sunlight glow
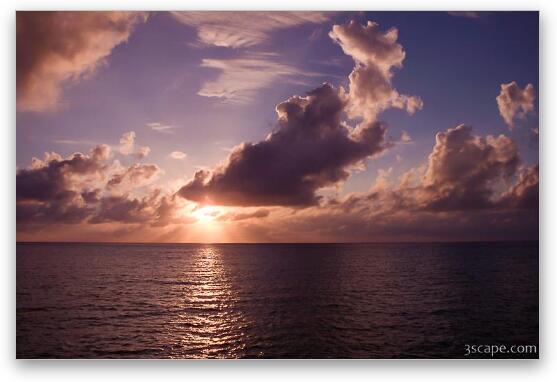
column 206, row 214
column 208, row 228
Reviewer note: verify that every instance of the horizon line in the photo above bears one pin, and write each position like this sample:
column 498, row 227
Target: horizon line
column 278, row 243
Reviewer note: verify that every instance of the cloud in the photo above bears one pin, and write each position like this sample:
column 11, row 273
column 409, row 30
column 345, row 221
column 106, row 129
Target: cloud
column 332, row 224
column 160, row 127
column 238, row 216
column 127, row 146
column 524, row 194
column 244, row 29
column 51, row 189
column 310, row 149
column 136, row 175
column 463, row 168
column 470, row 188
column 376, row 54
column 127, row 143
column 239, row 79
column 55, row 49
column 179, row 155
column 142, row 152
column 91, row 188
column 405, row 137
column 514, row 102
column 466, row 14
column 73, row 142
column 464, row 172
column 123, row 209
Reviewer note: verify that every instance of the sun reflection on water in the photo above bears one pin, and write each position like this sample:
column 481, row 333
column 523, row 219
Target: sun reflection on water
column 212, row 324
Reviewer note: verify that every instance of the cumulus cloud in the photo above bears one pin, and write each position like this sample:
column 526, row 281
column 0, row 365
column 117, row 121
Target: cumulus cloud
column 463, row 168
column 179, row 155
column 310, row 149
column 56, row 189
column 91, row 188
column 127, row 143
column 124, row 209
column 244, row 29
column 57, row 48
column 239, row 79
column 136, row 175
column 470, row 188
column 127, row 146
column 464, row 172
column 514, row 102
column 376, row 54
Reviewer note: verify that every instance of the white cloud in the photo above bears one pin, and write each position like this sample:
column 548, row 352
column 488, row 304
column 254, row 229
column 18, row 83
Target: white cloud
column 179, row 155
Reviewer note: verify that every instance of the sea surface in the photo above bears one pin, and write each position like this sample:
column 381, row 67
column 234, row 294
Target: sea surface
column 274, row 300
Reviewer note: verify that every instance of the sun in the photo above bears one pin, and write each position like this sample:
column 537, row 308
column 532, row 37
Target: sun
column 206, row 214
column 208, row 228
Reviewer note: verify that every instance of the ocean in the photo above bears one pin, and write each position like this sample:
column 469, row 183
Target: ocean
column 77, row 300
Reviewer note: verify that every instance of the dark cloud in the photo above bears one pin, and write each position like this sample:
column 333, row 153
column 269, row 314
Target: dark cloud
column 313, row 147
column 135, row 175
column 76, row 190
column 54, row 48
column 123, row 208
column 525, row 193
column 337, row 225
column 310, row 149
column 52, row 179
column 471, row 188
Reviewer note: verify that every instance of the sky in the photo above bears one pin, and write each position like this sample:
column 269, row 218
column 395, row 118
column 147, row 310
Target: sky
column 277, row 126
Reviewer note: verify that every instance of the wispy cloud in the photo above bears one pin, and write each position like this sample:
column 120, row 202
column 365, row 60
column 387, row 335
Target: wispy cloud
column 179, row 155
column 467, row 14
column 73, row 142
column 160, row 127
column 240, row 78
column 244, row 29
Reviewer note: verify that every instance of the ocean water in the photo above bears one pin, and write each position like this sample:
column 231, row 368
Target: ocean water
column 275, row 300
